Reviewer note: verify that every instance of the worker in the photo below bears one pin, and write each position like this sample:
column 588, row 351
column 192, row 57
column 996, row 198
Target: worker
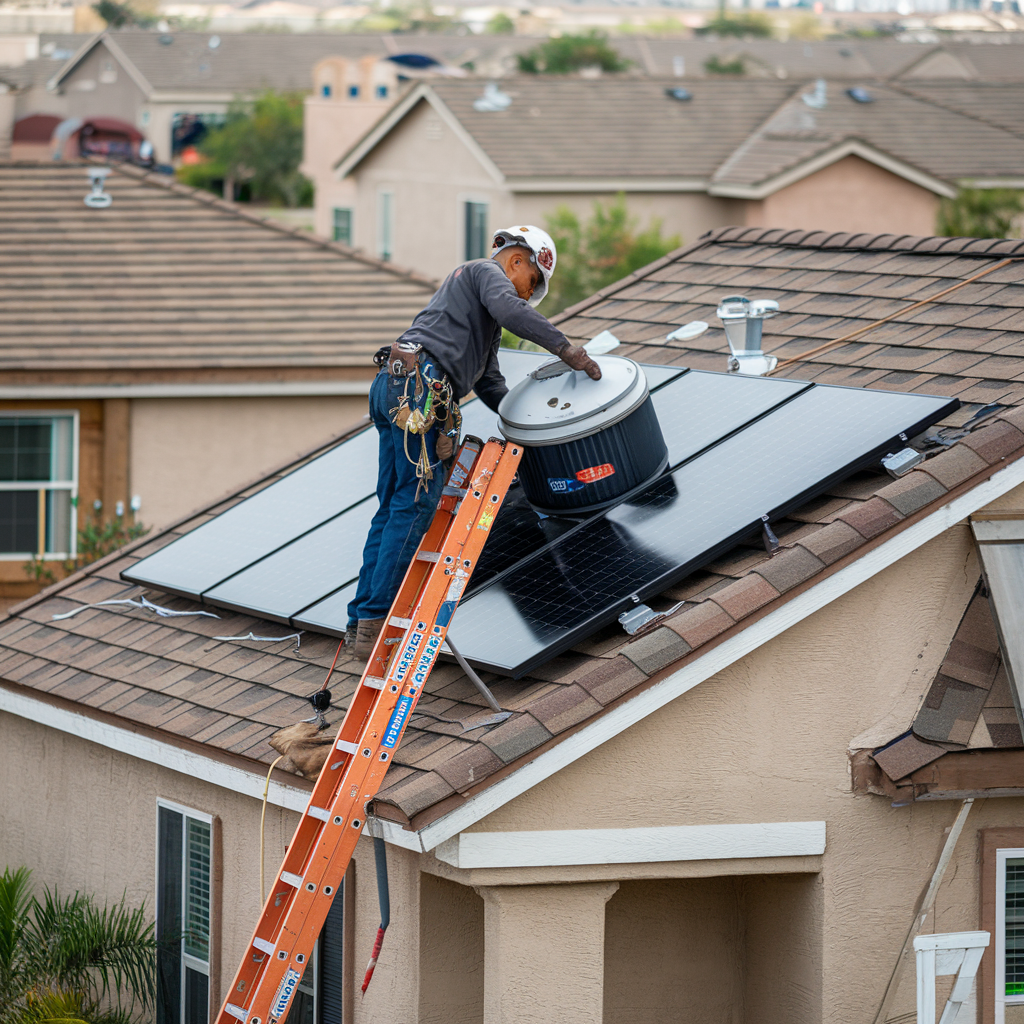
column 450, row 349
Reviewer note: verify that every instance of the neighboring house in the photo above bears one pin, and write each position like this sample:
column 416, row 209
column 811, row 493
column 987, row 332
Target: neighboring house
column 734, row 815
column 744, row 152
column 167, row 348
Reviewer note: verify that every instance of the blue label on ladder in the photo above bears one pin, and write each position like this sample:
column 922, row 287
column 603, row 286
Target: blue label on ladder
column 284, row 994
column 398, row 717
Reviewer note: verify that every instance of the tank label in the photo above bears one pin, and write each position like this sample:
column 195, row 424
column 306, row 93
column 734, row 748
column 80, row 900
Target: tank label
column 560, row 485
column 594, row 473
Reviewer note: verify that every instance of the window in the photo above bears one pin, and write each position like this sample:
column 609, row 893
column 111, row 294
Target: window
column 38, row 485
column 385, row 224
column 183, row 915
column 318, row 999
column 477, row 241
column 1009, row 930
column 342, row 226
column 325, row 91
column 382, row 92
column 353, row 92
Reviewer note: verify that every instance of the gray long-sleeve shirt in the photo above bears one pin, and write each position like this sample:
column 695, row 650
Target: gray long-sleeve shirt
column 461, row 328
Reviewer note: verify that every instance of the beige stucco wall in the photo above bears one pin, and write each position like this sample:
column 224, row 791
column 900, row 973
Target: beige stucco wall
column 100, row 87
column 849, row 195
column 186, row 452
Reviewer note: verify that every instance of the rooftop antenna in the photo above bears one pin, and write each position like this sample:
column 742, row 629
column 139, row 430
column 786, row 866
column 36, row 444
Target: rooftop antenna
column 97, row 199
column 743, row 320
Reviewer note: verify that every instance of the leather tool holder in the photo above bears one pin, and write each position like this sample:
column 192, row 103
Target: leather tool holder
column 402, row 360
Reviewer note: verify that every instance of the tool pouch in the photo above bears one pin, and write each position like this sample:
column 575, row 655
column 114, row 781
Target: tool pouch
column 402, row 359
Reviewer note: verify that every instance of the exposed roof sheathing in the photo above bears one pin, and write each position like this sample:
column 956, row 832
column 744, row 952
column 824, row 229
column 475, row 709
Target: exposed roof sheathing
column 168, row 278
column 171, row 675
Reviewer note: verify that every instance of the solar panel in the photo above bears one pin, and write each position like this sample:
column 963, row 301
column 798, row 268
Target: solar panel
column 585, row 579
column 301, row 501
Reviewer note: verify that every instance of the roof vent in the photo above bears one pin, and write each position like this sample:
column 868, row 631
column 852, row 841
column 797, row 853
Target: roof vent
column 817, row 100
column 213, row 42
column 493, row 99
column 743, row 320
column 859, row 95
column 683, row 95
column 97, row 199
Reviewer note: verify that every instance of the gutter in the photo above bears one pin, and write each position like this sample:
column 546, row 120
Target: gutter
column 273, row 389
column 174, row 753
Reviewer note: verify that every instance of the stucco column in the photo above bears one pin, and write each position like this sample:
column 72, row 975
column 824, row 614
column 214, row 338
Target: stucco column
column 544, row 953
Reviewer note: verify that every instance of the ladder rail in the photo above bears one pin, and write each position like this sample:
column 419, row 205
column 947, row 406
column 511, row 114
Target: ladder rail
column 384, row 701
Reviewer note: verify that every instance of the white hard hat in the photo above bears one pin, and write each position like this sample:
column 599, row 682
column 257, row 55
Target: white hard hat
column 539, row 242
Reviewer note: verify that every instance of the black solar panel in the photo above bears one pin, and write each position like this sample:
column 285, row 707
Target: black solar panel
column 585, row 579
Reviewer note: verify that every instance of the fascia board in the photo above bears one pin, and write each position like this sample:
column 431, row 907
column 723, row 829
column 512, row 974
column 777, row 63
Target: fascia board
column 606, row 184
column 83, row 51
column 721, row 657
column 570, row 847
column 273, row 389
column 542, row 767
column 355, row 156
column 849, row 147
column 126, row 62
column 991, row 182
column 191, row 96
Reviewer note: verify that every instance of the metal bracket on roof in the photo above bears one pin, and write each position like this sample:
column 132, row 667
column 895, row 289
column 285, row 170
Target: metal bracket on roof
column 637, row 617
column 771, row 542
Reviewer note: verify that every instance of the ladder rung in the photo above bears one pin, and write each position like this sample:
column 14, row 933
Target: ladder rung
column 398, row 621
column 318, row 812
column 374, row 682
column 235, row 1011
column 292, row 879
column 345, row 747
column 263, row 946
column 429, row 556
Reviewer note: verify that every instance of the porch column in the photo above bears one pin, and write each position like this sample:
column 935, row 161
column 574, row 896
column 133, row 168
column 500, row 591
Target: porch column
column 544, row 953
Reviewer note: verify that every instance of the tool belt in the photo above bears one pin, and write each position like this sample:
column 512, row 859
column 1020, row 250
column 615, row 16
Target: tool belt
column 427, row 401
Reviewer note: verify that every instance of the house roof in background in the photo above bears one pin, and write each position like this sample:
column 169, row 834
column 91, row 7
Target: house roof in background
column 173, row 676
column 937, row 140
column 996, row 103
column 169, row 278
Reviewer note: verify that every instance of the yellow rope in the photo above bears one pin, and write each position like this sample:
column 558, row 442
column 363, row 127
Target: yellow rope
column 263, row 818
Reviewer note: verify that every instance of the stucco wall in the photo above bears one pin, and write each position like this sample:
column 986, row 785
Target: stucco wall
column 849, row 195
column 186, row 452
column 100, row 87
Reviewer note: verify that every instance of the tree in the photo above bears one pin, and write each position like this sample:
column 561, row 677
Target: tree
column 981, row 213
column 501, row 25
column 605, row 249
column 259, row 143
column 743, row 25
column 124, row 15
column 64, row 960
column 567, row 54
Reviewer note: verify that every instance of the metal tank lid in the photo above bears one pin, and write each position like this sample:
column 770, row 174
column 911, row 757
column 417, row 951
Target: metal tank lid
column 556, row 404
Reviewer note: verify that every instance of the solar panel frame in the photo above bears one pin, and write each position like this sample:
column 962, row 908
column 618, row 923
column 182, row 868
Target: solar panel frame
column 477, row 609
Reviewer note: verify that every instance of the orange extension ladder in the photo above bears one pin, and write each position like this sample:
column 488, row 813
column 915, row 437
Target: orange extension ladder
column 320, row 851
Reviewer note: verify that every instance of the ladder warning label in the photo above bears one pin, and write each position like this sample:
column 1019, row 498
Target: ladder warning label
column 398, row 717
column 284, row 993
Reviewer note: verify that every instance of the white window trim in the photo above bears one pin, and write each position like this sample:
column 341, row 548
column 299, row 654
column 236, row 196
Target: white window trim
column 50, row 485
column 187, row 960
column 1002, row 1000
column 386, row 252
column 351, row 224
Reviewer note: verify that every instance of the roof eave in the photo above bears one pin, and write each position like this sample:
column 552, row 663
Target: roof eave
column 609, row 184
column 825, row 158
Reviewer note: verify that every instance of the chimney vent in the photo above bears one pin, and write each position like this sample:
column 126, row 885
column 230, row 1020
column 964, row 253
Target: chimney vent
column 743, row 320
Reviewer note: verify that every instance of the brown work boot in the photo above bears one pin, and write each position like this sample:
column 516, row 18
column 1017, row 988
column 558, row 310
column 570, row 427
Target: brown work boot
column 366, row 637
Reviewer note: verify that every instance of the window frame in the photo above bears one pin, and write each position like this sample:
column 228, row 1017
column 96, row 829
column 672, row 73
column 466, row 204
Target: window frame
column 468, row 205
column 50, row 485
column 335, row 210
column 386, row 224
column 188, row 961
column 1002, row 1000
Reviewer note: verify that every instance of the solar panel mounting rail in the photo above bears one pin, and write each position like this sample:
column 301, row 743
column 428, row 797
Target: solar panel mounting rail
column 325, row 839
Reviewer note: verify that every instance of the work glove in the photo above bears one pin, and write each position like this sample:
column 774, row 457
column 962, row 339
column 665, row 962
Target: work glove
column 579, row 359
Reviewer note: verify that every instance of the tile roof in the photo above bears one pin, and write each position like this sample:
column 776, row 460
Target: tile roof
column 171, row 675
column 933, row 138
column 996, row 103
column 169, row 278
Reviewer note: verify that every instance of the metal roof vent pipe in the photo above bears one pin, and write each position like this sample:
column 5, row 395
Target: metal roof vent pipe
column 743, row 320
column 97, row 199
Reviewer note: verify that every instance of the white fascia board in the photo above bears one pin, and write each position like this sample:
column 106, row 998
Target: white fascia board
column 272, row 389
column 606, row 185
column 355, row 156
column 193, row 96
column 849, row 147
column 991, row 182
column 633, row 845
column 721, row 657
column 126, row 62
column 155, row 751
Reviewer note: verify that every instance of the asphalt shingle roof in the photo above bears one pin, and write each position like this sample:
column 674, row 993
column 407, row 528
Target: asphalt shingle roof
column 172, row 676
column 169, row 277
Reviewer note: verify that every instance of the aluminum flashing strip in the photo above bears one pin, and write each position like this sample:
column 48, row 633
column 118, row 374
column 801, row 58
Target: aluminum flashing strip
column 633, row 845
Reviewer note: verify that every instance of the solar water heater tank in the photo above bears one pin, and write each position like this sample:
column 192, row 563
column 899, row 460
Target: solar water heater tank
column 587, row 442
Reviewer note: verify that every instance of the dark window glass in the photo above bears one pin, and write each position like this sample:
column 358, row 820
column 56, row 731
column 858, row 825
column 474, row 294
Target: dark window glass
column 331, row 973
column 25, row 449
column 197, row 997
column 476, row 231
column 353, row 92
column 168, row 917
column 325, row 91
column 382, row 92
column 343, row 225
column 19, row 522
column 1015, row 926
